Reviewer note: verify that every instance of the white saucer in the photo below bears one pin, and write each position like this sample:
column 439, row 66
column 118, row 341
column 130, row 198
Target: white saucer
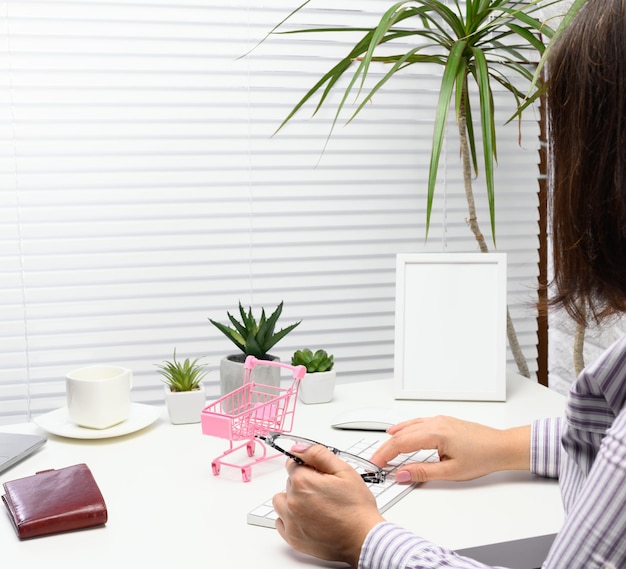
column 58, row 423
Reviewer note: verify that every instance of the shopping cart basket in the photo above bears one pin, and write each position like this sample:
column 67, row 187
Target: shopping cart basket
column 251, row 410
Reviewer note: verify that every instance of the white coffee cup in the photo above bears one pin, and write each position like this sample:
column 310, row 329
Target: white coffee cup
column 98, row 396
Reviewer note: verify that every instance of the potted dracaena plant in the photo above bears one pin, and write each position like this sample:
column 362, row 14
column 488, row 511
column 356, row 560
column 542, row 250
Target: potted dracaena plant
column 184, row 394
column 479, row 42
column 253, row 338
column 318, row 383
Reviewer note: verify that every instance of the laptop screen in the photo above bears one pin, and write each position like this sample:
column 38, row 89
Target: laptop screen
column 15, row 447
column 529, row 553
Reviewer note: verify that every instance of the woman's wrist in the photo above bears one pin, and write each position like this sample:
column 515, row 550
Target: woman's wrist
column 512, row 449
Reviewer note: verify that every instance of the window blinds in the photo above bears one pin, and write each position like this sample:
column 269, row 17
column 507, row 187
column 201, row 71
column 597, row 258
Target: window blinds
column 143, row 192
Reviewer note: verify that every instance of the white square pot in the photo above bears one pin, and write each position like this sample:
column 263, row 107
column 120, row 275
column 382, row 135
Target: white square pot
column 317, row 387
column 185, row 406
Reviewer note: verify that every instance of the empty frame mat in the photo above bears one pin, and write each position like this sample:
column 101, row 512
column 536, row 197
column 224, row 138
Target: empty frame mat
column 450, row 338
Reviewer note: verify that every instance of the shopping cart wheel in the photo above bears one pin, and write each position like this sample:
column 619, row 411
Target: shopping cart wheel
column 215, row 467
column 250, row 448
column 246, row 473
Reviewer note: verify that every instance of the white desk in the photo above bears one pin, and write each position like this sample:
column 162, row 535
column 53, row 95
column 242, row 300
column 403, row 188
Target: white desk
column 167, row 509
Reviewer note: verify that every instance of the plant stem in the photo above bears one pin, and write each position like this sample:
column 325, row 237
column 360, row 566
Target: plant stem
column 516, row 350
column 579, row 342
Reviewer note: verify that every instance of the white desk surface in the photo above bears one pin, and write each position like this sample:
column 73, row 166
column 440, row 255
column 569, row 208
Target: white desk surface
column 167, row 509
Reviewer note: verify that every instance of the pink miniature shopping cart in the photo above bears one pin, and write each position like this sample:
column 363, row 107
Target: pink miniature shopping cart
column 254, row 409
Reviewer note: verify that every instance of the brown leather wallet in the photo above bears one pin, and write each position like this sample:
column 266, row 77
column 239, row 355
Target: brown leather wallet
column 53, row 501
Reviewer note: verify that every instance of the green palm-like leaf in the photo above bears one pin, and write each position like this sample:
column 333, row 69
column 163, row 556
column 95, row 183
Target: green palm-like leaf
column 453, row 68
column 469, row 125
column 567, row 19
column 488, row 126
column 487, row 40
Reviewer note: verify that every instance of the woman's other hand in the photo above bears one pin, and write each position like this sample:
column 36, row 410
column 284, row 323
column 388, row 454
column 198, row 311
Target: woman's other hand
column 466, row 450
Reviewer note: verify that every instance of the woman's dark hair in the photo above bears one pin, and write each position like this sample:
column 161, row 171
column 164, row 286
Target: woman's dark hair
column 587, row 115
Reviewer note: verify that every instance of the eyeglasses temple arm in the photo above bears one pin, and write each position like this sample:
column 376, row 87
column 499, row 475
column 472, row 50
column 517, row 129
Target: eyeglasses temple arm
column 270, row 442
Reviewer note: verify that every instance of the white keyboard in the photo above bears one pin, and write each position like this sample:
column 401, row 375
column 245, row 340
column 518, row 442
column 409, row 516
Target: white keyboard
column 386, row 494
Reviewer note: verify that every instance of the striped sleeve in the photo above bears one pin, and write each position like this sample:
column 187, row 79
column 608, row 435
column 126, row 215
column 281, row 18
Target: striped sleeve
column 390, row 546
column 594, row 532
column 545, row 447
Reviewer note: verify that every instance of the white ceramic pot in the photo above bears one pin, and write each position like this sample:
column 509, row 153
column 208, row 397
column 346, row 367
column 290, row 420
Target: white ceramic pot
column 317, row 387
column 185, row 406
column 231, row 373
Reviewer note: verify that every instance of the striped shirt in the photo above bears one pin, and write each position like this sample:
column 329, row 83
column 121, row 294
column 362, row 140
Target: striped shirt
column 586, row 450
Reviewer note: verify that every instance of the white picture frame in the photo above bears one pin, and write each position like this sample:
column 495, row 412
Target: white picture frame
column 450, row 326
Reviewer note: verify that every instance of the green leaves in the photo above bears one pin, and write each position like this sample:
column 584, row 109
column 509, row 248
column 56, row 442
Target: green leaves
column 489, row 41
column 481, row 75
column 182, row 376
column 317, row 362
column 454, row 72
column 565, row 21
column 251, row 337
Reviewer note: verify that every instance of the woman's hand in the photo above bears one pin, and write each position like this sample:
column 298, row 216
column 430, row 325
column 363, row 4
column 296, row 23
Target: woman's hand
column 327, row 510
column 466, row 450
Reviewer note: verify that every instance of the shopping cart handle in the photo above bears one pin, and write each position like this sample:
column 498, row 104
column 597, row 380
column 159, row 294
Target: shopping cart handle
column 298, row 371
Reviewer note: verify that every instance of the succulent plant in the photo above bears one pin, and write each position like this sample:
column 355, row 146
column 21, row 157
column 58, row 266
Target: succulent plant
column 182, row 376
column 251, row 337
column 314, row 362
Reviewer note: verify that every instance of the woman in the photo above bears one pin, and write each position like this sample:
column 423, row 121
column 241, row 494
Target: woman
column 328, row 512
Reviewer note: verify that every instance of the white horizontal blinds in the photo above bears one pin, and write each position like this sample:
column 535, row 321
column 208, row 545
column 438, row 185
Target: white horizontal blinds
column 14, row 389
column 143, row 192
column 14, row 393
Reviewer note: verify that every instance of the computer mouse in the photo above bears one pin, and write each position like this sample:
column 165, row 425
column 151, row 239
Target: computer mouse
column 367, row 419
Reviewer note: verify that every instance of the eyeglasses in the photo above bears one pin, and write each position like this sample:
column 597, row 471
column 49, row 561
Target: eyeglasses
column 368, row 471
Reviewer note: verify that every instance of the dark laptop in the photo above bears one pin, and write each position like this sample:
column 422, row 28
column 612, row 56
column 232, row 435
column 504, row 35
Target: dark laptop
column 15, row 447
column 529, row 553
